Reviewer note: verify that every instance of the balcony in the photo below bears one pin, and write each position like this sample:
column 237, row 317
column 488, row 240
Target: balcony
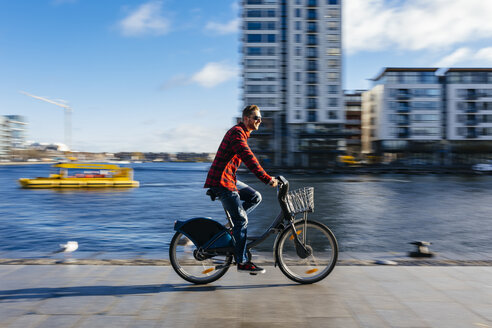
column 403, row 133
column 471, row 95
column 311, row 14
column 312, row 29
column 352, row 122
column 403, row 96
column 312, row 133
column 402, row 109
column 312, row 67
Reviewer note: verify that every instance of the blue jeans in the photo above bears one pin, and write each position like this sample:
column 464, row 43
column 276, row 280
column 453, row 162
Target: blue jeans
column 239, row 204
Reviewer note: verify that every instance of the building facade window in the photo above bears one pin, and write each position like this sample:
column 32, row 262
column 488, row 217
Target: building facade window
column 332, row 115
column 312, row 103
column 312, row 91
column 260, row 63
column 332, row 13
column 333, row 37
column 254, row 88
column 311, row 14
column 332, row 63
column 260, row 38
column 312, row 65
column 260, row 13
column 312, row 52
column 260, row 51
column 332, row 26
column 333, row 51
column 260, row 76
column 332, row 76
column 311, row 116
column 312, row 39
column 312, row 27
column 332, row 89
column 312, row 77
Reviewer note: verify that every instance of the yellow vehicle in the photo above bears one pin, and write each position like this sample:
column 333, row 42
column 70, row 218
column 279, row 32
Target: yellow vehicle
column 348, row 160
column 75, row 175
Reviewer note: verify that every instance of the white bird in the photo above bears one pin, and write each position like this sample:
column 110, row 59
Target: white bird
column 69, row 247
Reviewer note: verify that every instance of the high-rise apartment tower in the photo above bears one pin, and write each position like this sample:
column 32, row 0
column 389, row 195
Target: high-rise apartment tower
column 291, row 61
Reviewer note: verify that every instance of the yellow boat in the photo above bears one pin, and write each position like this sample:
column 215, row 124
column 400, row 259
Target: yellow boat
column 76, row 175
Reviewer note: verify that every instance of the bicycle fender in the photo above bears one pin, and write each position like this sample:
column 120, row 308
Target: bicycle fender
column 199, row 230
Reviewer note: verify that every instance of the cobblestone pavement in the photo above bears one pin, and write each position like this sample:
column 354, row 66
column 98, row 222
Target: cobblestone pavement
column 154, row 296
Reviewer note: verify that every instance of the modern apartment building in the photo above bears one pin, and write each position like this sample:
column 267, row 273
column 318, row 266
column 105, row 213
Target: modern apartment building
column 445, row 118
column 403, row 112
column 353, row 123
column 469, row 104
column 291, row 60
column 12, row 133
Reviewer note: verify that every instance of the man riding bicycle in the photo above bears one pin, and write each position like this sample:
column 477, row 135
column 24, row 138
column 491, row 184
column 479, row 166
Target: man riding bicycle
column 237, row 197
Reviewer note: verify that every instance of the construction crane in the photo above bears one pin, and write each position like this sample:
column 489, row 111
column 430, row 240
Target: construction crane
column 68, row 117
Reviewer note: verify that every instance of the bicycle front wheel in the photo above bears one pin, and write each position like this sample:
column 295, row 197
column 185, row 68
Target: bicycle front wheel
column 187, row 266
column 322, row 243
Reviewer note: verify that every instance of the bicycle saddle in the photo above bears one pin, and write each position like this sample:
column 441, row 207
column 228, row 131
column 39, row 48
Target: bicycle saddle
column 212, row 195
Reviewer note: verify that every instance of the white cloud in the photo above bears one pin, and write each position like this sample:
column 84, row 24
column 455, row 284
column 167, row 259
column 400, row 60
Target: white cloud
column 214, row 73
column 484, row 54
column 224, row 28
column 414, row 25
column 188, row 138
column 455, row 57
column 145, row 20
column 211, row 75
column 466, row 56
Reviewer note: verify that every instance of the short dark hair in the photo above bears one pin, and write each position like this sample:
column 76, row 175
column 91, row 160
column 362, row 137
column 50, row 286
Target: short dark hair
column 248, row 110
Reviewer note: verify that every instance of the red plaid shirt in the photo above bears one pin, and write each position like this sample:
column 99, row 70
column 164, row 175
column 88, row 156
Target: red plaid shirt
column 232, row 150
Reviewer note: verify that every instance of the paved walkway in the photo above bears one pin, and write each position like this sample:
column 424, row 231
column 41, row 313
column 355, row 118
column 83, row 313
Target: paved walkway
column 154, row 296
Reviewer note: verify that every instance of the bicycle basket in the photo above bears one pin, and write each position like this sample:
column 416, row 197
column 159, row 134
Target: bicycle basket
column 300, row 200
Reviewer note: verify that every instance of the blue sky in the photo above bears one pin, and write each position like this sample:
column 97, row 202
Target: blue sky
column 164, row 75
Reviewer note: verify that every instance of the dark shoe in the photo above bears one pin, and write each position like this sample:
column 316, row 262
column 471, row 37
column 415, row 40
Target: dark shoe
column 250, row 267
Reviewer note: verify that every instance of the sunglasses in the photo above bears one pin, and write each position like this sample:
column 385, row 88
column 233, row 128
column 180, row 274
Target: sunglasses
column 256, row 117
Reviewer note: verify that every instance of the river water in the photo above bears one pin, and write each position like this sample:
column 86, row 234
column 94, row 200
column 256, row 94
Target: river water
column 380, row 213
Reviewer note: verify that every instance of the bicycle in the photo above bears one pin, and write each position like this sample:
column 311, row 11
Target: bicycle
column 306, row 251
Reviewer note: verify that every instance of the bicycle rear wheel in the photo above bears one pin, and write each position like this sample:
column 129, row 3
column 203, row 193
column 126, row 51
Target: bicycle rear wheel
column 181, row 255
column 324, row 252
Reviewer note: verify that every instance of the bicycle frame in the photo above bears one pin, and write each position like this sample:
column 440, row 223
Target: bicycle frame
column 276, row 227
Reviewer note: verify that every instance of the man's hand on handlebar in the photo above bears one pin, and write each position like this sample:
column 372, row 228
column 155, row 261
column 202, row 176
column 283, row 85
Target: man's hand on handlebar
column 273, row 182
